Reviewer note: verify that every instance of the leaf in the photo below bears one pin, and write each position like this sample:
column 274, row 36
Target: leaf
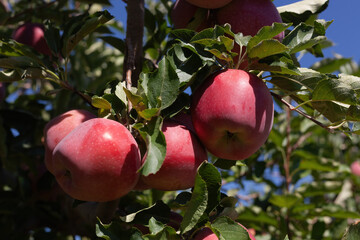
column 229, row 230
column 330, row 65
column 205, row 196
column 100, row 102
column 81, row 26
column 156, row 145
column 301, row 11
column 159, row 211
column 267, row 48
column 196, row 206
column 10, row 76
column 258, row 217
column 305, row 36
column 161, row 87
column 115, row 231
column 117, row 43
column 353, row 232
column 266, row 33
column 284, row 201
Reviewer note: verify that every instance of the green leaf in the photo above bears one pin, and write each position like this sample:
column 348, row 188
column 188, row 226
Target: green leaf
column 284, row 201
column 159, row 211
column 161, row 87
column 229, row 230
column 116, row 231
column 330, row 65
column 266, row 33
column 156, row 145
column 302, row 10
column 10, row 75
column 155, row 226
column 100, row 102
column 353, row 232
column 205, row 196
column 266, row 48
column 304, row 37
column 81, row 26
column 117, row 43
column 258, row 217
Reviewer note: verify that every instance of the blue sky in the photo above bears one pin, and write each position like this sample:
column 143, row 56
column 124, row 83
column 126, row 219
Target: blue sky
column 343, row 31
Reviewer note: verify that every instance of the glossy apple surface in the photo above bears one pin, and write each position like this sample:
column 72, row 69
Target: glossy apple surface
column 211, row 4
column 232, row 113
column 248, row 17
column 355, row 168
column 32, row 34
column 184, row 154
column 97, row 161
column 57, row 128
column 186, row 15
column 2, row 92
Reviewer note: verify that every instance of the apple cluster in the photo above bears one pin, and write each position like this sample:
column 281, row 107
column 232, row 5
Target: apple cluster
column 97, row 159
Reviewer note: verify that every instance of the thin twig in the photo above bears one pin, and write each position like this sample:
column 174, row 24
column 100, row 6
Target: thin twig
column 292, row 108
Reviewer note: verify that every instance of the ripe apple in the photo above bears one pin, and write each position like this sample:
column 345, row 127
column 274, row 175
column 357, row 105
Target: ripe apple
column 97, row 161
column 207, row 234
column 248, row 17
column 355, row 168
column 184, row 154
column 32, row 34
column 2, row 92
column 232, row 113
column 186, row 15
column 57, row 128
column 209, row 4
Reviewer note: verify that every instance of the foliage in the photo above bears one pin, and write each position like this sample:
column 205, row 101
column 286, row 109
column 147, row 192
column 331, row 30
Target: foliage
column 306, row 188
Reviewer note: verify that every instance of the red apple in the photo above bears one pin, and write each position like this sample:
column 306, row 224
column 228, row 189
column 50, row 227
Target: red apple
column 2, row 92
column 97, row 161
column 248, row 17
column 57, row 128
column 184, row 154
column 186, row 15
column 211, row 4
column 232, row 113
column 355, row 168
column 32, row 34
column 207, row 234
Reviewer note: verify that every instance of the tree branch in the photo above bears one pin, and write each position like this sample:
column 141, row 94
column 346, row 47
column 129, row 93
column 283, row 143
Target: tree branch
column 134, row 41
column 292, row 108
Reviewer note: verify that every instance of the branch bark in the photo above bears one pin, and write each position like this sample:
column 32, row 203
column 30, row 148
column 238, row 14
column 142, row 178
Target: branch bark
column 134, row 41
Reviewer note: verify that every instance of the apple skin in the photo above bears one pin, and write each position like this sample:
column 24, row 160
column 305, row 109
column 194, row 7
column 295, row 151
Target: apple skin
column 232, row 113
column 209, row 4
column 2, row 92
column 355, row 168
column 57, row 128
column 184, row 154
column 207, row 234
column 182, row 16
column 248, row 17
column 32, row 34
column 97, row 161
